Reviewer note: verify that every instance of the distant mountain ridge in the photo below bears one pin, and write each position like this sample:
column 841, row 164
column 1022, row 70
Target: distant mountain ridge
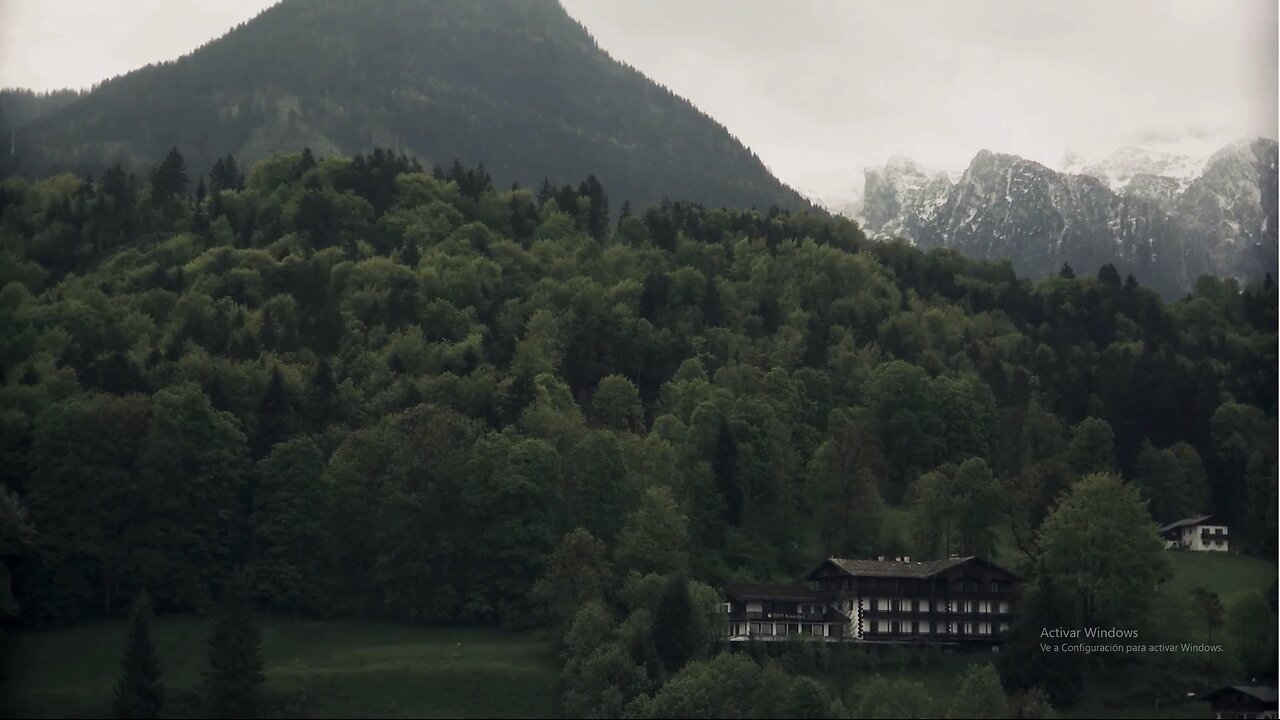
column 518, row 85
column 1166, row 230
column 1126, row 163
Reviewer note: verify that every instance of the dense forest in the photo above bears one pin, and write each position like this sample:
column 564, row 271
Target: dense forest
column 358, row 386
column 518, row 85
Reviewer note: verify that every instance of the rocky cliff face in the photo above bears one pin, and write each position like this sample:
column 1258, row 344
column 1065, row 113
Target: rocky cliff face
column 1230, row 210
column 1166, row 230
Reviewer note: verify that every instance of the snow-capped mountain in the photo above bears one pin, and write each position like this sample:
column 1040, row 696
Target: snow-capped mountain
column 1166, row 229
column 1231, row 208
column 901, row 196
column 1121, row 166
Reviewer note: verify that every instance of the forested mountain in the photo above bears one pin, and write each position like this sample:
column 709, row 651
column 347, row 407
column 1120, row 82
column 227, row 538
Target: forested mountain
column 369, row 390
column 435, row 349
column 18, row 107
column 1167, row 230
column 517, row 85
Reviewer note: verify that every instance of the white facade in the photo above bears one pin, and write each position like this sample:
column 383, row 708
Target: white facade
column 1195, row 535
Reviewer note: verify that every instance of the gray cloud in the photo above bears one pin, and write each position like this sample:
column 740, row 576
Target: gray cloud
column 820, row 88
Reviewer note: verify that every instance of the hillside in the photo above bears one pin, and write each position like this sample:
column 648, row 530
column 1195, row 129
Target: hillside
column 518, row 86
column 380, row 393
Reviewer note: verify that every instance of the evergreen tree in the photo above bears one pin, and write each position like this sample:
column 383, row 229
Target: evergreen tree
column 276, row 416
column 233, row 683
column 598, row 214
column 140, row 692
column 169, row 179
column 1109, row 276
column 673, row 625
column 225, row 175
column 308, row 160
column 1067, row 271
column 546, row 191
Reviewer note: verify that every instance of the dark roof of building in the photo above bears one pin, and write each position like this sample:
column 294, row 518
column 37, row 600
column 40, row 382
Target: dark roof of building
column 1185, row 522
column 902, row 568
column 1261, row 693
column 750, row 591
column 896, row 568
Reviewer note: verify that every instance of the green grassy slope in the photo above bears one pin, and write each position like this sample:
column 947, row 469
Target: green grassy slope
column 325, row 669
column 1230, row 576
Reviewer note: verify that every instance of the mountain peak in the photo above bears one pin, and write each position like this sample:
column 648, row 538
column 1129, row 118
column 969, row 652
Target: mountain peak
column 903, row 164
column 1246, row 147
column 1126, row 162
column 518, row 85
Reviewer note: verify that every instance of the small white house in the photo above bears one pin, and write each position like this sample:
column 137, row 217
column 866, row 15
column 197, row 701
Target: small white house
column 1198, row 534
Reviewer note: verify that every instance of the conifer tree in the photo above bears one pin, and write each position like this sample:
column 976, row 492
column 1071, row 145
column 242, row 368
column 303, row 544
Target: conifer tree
column 308, row 160
column 140, row 692
column 169, row 179
column 673, row 634
column 276, row 417
column 598, row 214
column 234, row 679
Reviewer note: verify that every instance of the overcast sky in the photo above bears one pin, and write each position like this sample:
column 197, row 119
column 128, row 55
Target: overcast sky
column 821, row 88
